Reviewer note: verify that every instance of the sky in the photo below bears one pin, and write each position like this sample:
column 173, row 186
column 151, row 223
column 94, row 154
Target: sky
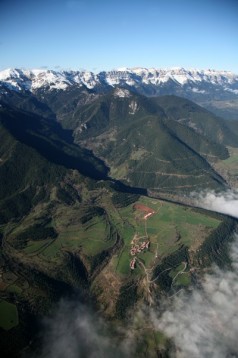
column 98, row 35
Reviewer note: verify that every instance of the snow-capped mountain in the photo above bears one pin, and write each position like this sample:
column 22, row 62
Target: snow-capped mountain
column 206, row 87
column 136, row 77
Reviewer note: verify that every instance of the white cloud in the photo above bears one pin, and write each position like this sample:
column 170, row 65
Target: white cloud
column 225, row 202
column 205, row 323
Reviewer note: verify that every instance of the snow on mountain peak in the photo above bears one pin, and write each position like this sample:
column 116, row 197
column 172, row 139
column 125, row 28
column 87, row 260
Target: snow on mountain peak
column 32, row 80
column 14, row 79
column 89, row 79
column 51, row 79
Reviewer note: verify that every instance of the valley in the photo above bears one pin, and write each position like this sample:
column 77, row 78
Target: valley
column 85, row 247
column 97, row 205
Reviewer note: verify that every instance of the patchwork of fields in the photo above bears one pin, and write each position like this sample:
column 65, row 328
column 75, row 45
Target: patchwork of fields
column 167, row 229
column 102, row 235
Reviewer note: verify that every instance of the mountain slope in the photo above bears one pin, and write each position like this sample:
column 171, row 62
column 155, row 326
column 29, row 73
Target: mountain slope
column 201, row 120
column 25, row 177
column 165, row 143
column 51, row 141
column 150, row 146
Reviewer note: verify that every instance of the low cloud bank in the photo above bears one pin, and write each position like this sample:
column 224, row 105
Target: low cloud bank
column 205, row 323
column 225, row 202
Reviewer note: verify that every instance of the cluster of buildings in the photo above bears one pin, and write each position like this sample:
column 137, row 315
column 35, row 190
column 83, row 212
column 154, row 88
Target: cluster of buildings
column 136, row 246
column 136, row 249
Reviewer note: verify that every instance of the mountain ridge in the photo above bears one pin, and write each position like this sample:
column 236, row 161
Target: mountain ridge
column 215, row 90
column 36, row 78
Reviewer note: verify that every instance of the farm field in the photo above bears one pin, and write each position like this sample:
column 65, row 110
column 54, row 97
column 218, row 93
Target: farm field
column 168, row 228
column 157, row 228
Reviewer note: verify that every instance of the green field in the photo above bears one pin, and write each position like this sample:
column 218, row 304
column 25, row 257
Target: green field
column 170, row 226
column 8, row 315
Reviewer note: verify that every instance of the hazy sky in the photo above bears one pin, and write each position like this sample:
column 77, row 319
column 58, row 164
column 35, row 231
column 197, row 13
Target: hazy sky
column 107, row 34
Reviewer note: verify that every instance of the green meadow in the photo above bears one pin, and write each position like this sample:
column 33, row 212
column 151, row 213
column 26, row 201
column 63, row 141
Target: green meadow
column 171, row 226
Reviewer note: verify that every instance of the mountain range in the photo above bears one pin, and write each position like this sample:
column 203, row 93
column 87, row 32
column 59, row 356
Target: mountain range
column 216, row 90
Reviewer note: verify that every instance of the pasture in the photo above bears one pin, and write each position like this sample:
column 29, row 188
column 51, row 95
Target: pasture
column 169, row 227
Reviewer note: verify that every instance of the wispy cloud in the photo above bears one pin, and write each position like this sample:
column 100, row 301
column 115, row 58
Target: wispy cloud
column 75, row 331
